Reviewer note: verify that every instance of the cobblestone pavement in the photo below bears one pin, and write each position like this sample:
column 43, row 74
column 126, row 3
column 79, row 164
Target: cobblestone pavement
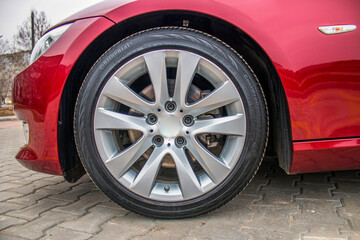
column 274, row 206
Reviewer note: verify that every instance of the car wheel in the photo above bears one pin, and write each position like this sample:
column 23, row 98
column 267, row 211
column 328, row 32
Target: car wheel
column 171, row 123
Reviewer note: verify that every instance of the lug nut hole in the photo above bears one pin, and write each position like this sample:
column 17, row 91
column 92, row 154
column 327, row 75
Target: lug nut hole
column 151, row 119
column 170, row 106
column 180, row 141
column 158, row 140
column 188, row 120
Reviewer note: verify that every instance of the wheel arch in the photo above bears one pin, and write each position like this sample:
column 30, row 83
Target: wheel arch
column 280, row 143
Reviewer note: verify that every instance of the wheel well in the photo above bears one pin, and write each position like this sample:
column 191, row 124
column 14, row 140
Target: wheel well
column 280, row 130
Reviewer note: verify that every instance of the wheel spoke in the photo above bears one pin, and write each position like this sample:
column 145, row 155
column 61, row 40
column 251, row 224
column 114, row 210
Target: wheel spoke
column 144, row 181
column 105, row 119
column 189, row 183
column 156, row 65
column 212, row 165
column 223, row 95
column 186, row 69
column 230, row 125
column 120, row 92
column 122, row 161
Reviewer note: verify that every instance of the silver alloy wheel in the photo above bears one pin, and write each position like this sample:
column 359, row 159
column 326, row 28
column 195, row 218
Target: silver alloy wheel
column 177, row 136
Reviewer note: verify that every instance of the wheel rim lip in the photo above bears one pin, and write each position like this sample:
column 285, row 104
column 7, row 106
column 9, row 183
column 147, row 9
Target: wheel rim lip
column 175, row 194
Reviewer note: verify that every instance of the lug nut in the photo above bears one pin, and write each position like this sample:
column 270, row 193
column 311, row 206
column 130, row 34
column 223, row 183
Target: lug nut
column 170, row 106
column 158, row 140
column 151, row 119
column 188, row 120
column 180, row 141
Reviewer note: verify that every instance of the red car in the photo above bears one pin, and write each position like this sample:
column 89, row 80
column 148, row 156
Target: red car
column 170, row 106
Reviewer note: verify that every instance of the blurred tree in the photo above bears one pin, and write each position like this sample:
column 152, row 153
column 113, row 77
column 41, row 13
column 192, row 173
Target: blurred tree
column 11, row 63
column 31, row 30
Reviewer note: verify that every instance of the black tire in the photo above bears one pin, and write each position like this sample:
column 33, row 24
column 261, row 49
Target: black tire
column 225, row 58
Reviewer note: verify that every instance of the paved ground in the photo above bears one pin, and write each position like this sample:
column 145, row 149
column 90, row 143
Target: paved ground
column 274, row 206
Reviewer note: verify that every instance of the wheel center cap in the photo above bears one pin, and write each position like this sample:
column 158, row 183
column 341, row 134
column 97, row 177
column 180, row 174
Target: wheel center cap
column 169, row 126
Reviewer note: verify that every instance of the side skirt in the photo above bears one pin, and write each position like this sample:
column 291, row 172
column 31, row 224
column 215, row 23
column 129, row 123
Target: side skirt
column 326, row 155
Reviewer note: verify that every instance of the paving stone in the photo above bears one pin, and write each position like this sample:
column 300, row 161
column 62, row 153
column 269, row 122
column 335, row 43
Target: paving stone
column 58, row 233
column 10, row 172
column 350, row 234
column 32, row 198
column 315, row 192
column 272, row 218
column 60, row 187
column 353, row 218
column 344, row 175
column 5, row 195
column 4, row 236
column 126, row 227
column 6, row 207
column 256, row 233
column 316, row 178
column 30, row 188
column 324, row 232
column 24, row 175
column 277, row 197
column 319, row 212
column 33, row 178
column 7, row 178
column 35, row 229
column 81, row 206
column 6, row 221
column 71, row 195
column 172, row 230
column 111, row 204
column 34, row 211
column 230, row 218
column 351, row 202
column 90, row 223
column 347, row 186
column 7, row 186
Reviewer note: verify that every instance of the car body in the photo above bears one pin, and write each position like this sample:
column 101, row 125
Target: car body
column 311, row 80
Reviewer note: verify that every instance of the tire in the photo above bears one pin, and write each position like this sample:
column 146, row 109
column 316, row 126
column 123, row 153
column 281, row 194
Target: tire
column 164, row 149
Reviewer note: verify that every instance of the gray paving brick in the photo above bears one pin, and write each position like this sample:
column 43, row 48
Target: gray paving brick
column 29, row 188
column 347, row 186
column 316, row 192
column 125, row 227
column 91, row 222
column 6, row 186
column 6, row 221
column 6, row 207
column 32, row 198
column 323, row 212
column 71, row 195
column 35, row 229
column 5, row 195
column 60, row 187
column 58, row 233
column 86, row 201
column 7, row 178
column 34, row 211
column 4, row 236
column 259, row 233
column 277, row 197
column 271, row 218
column 324, row 232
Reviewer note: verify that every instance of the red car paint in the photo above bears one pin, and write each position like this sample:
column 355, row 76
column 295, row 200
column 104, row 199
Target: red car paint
column 37, row 93
column 320, row 73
